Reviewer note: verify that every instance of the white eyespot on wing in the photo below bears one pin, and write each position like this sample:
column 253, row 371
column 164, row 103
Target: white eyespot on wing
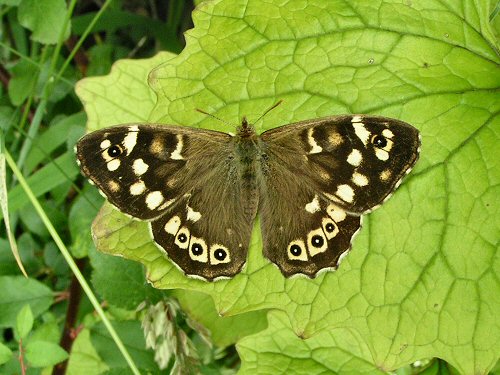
column 219, row 254
column 329, row 227
column 198, row 250
column 113, row 165
column 361, row 132
column 172, row 226
column 345, row 192
column 356, row 118
column 182, row 238
column 139, row 167
column 176, row 154
column 337, row 214
column 130, row 139
column 387, row 133
column 192, row 215
column 315, row 148
column 105, row 144
column 154, row 199
column 355, row 158
column 316, row 242
column 137, row 188
column 313, row 206
column 359, row 179
column 297, row 250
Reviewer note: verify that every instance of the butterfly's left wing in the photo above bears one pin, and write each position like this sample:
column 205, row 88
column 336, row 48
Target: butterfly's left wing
column 181, row 180
column 319, row 176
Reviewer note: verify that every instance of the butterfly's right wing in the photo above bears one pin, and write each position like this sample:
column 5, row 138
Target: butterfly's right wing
column 319, row 176
column 182, row 180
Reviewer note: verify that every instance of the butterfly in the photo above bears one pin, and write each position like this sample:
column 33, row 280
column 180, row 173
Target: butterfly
column 201, row 190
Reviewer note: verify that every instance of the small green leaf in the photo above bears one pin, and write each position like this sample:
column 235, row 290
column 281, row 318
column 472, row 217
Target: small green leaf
column 83, row 358
column 24, row 321
column 44, row 353
column 24, row 76
column 16, row 292
column 133, row 338
column 44, row 18
column 128, row 287
column 5, row 354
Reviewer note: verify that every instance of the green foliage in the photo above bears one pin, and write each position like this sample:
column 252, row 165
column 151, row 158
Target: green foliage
column 421, row 281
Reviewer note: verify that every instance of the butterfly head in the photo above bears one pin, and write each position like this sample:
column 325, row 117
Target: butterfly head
column 245, row 130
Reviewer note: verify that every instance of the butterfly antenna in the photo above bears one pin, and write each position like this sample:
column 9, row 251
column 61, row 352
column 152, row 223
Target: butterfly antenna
column 269, row 110
column 215, row 117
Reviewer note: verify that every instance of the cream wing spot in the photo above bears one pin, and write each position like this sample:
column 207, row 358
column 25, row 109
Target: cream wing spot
column 345, row 192
column 176, row 154
column 356, row 118
column 313, row 206
column 359, row 179
column 113, row 165
column 387, row 133
column 385, row 175
column 172, row 226
column 361, row 132
column 154, row 199
column 192, row 215
column 381, row 154
column 139, row 167
column 198, row 250
column 137, row 188
column 335, row 139
column 316, row 242
column 219, row 254
column 105, row 144
column 315, row 148
column 130, row 139
column 297, row 250
column 113, row 186
column 355, row 158
column 336, row 213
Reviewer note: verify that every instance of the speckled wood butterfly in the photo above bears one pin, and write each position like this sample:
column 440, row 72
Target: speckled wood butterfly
column 201, row 190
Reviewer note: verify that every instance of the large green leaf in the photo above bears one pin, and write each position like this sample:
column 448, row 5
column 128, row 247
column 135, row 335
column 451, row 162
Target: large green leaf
column 421, row 279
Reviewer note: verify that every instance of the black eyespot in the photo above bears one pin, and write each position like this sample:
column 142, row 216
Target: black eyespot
column 379, row 141
column 220, row 254
column 295, row 250
column 114, row 151
column 197, row 249
column 330, row 227
column 317, row 241
column 182, row 238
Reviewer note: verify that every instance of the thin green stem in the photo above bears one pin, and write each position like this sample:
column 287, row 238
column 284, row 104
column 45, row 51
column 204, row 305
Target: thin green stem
column 74, row 268
column 81, row 40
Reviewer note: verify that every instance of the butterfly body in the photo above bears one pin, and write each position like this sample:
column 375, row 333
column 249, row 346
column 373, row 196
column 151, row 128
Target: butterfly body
column 201, row 190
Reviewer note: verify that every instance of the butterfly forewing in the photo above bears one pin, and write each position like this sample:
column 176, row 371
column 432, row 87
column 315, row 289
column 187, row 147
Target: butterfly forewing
column 143, row 169
column 355, row 161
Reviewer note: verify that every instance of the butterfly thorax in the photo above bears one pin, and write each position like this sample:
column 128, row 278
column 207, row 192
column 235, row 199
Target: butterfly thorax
column 247, row 154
